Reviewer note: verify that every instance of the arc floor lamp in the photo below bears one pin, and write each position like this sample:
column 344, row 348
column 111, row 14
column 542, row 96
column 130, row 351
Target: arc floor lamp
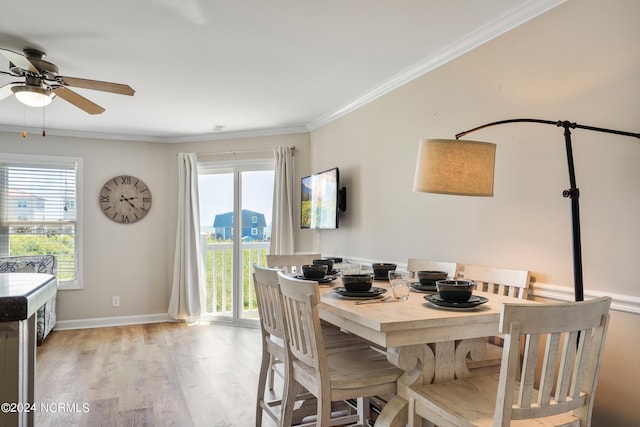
column 463, row 167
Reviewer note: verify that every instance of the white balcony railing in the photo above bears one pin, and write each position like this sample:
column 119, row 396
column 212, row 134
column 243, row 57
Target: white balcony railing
column 218, row 259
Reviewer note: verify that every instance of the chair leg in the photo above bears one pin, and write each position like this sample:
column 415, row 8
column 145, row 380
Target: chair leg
column 265, row 367
column 289, row 393
column 271, row 373
column 324, row 410
column 414, row 420
column 364, row 409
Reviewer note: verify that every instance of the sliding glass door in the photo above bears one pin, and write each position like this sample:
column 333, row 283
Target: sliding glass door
column 235, row 216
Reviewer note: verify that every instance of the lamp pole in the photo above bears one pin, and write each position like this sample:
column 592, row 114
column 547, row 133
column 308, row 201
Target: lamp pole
column 572, row 193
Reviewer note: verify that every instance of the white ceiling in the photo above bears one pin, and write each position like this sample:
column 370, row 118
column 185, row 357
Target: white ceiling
column 251, row 66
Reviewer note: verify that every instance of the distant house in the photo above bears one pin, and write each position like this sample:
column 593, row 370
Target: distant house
column 253, row 225
column 23, row 206
column 26, row 212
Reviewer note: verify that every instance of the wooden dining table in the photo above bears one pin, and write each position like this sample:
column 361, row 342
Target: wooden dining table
column 430, row 343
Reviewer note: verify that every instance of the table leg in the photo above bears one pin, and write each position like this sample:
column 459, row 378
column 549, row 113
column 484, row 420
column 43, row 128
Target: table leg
column 418, row 362
column 426, row 363
column 475, row 348
column 444, row 361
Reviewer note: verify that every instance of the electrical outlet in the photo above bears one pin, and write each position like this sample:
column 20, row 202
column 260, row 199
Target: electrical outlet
column 115, row 301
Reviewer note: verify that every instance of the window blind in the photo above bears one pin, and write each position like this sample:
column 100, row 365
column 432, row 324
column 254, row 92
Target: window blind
column 38, row 212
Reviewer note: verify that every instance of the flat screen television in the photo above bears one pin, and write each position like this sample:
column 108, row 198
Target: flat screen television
column 321, row 199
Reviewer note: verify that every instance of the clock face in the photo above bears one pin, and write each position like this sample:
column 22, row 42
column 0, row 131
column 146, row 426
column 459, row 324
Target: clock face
column 125, row 199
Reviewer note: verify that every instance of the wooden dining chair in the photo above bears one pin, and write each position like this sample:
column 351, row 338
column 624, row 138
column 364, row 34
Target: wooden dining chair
column 563, row 350
column 272, row 330
column 291, row 264
column 274, row 336
column 495, row 280
column 416, row 264
column 328, row 374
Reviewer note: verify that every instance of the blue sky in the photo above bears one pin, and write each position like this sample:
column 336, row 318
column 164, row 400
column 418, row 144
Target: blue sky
column 216, row 194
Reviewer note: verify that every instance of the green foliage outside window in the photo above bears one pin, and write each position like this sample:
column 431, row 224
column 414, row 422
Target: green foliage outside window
column 220, row 277
column 60, row 245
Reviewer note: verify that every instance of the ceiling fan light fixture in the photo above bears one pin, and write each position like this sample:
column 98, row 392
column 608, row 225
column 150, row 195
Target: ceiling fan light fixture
column 33, row 96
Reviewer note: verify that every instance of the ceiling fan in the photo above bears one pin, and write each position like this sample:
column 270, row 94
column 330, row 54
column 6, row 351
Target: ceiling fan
column 42, row 82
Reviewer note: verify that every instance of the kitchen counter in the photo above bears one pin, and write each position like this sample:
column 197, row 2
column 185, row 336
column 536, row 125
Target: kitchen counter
column 21, row 294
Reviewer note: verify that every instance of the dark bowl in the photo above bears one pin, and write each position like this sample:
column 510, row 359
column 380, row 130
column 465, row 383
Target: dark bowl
column 324, row 261
column 380, row 269
column 429, row 278
column 455, row 290
column 357, row 282
column 315, row 271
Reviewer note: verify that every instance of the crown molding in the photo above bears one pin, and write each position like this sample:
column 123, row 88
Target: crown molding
column 241, row 134
column 498, row 26
column 254, row 133
column 36, row 132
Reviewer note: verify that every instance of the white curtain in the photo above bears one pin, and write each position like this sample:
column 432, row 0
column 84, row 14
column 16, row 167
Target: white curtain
column 282, row 220
column 185, row 303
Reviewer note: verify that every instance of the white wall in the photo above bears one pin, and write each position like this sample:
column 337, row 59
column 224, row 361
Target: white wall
column 132, row 261
column 555, row 67
column 127, row 260
column 578, row 62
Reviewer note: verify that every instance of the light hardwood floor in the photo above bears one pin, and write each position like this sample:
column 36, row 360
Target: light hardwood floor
column 163, row 374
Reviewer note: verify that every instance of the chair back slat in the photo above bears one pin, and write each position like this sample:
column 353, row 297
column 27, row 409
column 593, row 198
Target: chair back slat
column 581, row 363
column 565, row 377
column 548, row 370
column 528, row 373
column 503, row 281
column 265, row 281
column 301, row 346
column 291, row 264
column 415, row 264
column 570, row 338
column 303, row 322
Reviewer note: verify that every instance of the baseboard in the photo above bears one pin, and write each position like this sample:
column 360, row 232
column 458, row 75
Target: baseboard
column 101, row 322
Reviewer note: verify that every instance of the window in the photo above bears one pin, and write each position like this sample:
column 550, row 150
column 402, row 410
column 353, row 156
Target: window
column 241, row 189
column 39, row 211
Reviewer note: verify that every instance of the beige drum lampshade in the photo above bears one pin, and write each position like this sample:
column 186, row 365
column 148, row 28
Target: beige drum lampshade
column 452, row 166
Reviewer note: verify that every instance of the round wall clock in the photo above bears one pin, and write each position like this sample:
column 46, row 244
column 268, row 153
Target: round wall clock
column 125, row 199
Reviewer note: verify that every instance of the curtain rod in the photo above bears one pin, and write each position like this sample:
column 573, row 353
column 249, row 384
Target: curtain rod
column 234, row 152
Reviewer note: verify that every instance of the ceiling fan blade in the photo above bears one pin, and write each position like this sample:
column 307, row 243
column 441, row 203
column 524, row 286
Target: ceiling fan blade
column 97, row 85
column 18, row 59
column 5, row 90
column 78, row 100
